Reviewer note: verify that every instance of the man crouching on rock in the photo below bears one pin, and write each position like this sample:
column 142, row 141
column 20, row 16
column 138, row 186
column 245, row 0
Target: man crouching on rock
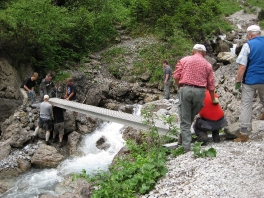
column 211, row 119
column 44, row 118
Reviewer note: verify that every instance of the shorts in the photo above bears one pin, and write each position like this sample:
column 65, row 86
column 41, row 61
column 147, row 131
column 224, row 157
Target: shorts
column 59, row 128
column 45, row 123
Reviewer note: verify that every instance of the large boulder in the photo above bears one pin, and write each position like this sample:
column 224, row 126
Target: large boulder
column 87, row 124
column 132, row 134
column 226, row 57
column 102, row 143
column 16, row 135
column 69, row 121
column 223, row 46
column 77, row 188
column 10, row 95
column 23, row 165
column 46, row 157
column 74, row 139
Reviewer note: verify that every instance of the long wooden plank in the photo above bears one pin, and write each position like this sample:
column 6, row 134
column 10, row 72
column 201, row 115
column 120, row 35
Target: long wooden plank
column 109, row 115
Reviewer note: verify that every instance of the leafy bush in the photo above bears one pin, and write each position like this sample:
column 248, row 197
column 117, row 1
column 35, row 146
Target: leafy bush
column 46, row 36
column 199, row 152
column 261, row 15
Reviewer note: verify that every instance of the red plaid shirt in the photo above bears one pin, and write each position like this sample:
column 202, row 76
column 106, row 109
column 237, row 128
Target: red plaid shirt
column 195, row 70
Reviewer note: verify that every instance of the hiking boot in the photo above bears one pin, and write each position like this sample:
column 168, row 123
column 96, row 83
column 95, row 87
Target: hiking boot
column 242, row 137
column 261, row 116
column 33, row 138
column 187, row 150
column 202, row 139
column 53, row 140
column 33, row 106
column 179, row 140
column 47, row 142
column 60, row 144
column 215, row 136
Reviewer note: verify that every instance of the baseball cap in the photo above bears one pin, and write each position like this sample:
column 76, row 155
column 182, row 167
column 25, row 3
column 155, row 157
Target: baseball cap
column 199, row 47
column 46, row 97
column 253, row 28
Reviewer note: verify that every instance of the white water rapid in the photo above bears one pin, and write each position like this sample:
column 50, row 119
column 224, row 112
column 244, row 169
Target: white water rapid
column 37, row 181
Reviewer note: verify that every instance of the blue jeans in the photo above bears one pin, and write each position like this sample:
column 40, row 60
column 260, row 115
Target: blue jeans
column 31, row 95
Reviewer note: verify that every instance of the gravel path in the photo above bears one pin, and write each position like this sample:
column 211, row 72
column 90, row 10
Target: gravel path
column 236, row 172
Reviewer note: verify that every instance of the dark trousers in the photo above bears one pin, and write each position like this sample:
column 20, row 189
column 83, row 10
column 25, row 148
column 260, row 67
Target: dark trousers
column 202, row 126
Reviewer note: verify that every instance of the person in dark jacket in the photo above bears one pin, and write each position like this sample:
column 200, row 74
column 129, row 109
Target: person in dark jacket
column 211, row 119
column 58, row 116
column 46, row 87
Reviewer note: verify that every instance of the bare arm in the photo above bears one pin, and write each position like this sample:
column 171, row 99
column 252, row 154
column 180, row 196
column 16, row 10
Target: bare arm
column 212, row 94
column 240, row 73
column 177, row 82
column 68, row 98
column 166, row 79
column 26, row 88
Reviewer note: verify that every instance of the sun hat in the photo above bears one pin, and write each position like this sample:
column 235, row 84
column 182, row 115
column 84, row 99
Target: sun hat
column 253, row 28
column 46, row 97
column 199, row 47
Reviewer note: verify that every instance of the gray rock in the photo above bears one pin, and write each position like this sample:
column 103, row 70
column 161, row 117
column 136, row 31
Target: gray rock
column 23, row 165
column 10, row 95
column 102, row 143
column 226, row 57
column 74, row 139
column 232, row 130
column 46, row 157
column 5, row 149
column 69, row 120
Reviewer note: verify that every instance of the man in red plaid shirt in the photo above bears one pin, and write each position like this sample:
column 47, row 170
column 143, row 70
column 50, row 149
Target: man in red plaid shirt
column 193, row 75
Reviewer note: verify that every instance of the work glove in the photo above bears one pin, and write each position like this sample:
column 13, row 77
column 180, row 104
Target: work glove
column 237, row 89
column 237, row 85
column 215, row 101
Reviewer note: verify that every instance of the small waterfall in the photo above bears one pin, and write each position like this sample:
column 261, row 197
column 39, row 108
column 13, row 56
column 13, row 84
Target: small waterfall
column 233, row 49
column 38, row 181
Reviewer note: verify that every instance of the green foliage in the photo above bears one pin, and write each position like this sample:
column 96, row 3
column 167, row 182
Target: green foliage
column 46, row 36
column 61, row 76
column 229, row 7
column 152, row 55
column 114, row 57
column 199, row 152
column 261, row 23
column 261, row 15
column 177, row 152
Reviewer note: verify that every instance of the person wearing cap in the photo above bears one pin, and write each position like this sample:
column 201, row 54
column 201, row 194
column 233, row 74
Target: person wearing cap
column 167, row 79
column 211, row 119
column 251, row 76
column 45, row 117
column 193, row 75
column 46, row 87
column 27, row 89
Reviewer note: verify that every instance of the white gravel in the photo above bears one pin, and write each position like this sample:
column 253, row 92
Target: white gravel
column 237, row 171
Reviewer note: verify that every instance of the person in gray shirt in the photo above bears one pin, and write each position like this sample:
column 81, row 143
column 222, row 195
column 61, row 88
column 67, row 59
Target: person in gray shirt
column 45, row 117
column 167, row 79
